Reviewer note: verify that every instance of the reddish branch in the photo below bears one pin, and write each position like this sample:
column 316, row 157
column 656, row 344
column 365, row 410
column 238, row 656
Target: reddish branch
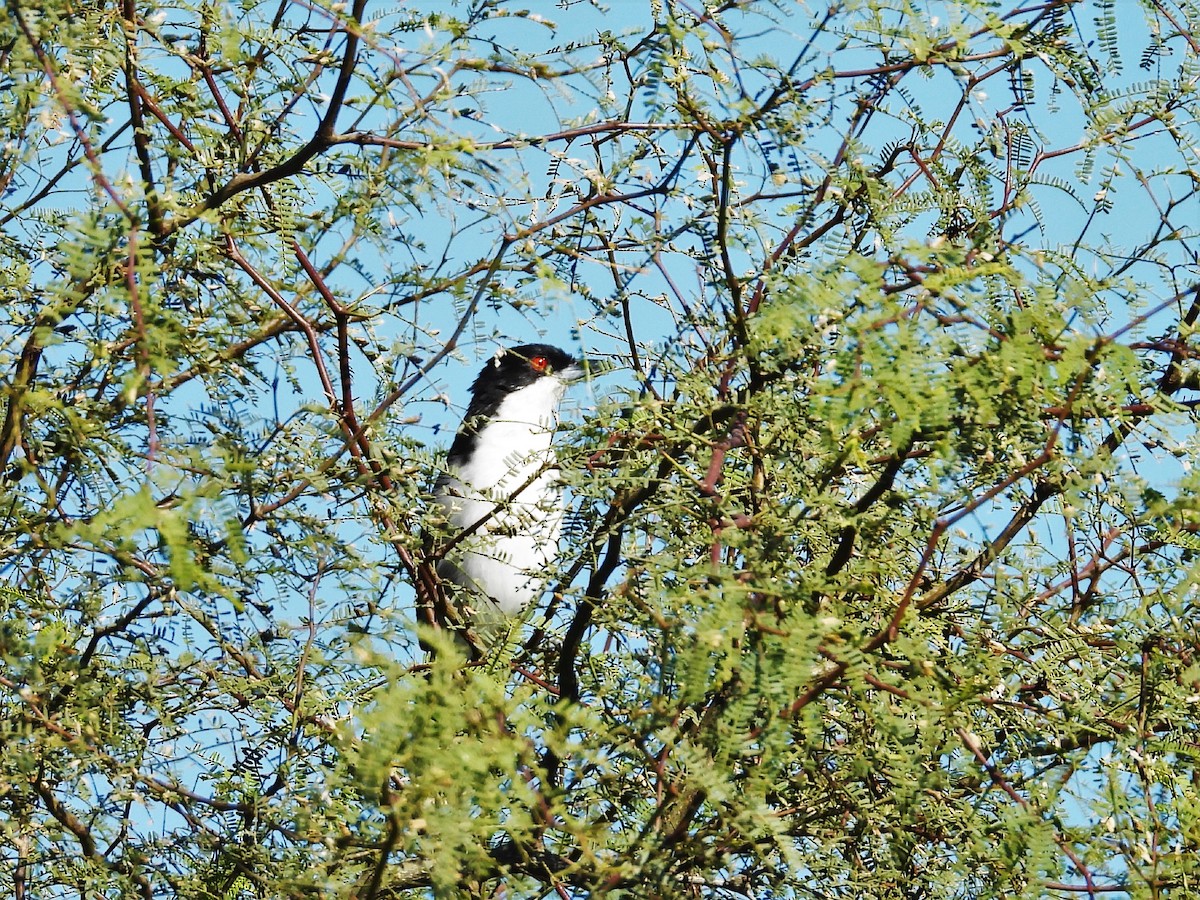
column 145, row 373
column 141, row 135
column 972, row 744
column 81, row 134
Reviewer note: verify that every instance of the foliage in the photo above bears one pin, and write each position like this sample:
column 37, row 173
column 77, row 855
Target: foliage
column 881, row 577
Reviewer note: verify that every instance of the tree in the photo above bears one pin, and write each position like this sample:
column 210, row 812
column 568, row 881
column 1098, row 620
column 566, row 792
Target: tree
column 882, row 570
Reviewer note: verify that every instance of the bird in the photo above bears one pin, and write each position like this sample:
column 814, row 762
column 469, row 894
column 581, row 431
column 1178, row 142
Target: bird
column 501, row 493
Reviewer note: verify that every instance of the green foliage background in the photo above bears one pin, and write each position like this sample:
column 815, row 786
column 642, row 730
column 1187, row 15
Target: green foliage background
column 882, row 576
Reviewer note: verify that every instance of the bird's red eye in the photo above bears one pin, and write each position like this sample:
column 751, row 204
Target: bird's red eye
column 540, row 364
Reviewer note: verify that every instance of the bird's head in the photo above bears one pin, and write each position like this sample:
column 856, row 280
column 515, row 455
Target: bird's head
column 522, row 371
column 516, row 367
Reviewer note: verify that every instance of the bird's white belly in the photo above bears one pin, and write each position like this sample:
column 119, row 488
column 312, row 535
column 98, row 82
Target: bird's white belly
column 508, row 493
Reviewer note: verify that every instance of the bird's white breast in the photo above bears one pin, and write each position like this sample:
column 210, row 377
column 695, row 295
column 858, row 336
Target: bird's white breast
column 510, row 484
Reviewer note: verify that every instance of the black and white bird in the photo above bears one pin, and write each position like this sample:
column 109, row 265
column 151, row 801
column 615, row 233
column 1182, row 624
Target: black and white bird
column 501, row 492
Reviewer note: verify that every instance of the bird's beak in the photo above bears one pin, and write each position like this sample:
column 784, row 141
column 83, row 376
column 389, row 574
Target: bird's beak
column 588, row 369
